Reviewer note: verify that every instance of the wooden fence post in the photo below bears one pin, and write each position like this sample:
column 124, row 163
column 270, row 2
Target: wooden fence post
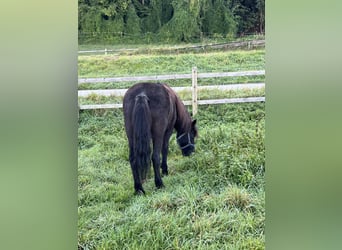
column 194, row 91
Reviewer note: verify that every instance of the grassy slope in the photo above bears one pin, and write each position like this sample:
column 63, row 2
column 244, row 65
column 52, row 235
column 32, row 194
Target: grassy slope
column 102, row 65
column 111, row 65
column 212, row 200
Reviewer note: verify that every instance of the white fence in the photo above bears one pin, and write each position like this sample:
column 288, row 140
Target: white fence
column 169, row 77
column 251, row 44
column 194, row 89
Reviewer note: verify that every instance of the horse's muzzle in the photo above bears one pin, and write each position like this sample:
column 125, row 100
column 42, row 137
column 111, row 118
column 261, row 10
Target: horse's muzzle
column 188, row 151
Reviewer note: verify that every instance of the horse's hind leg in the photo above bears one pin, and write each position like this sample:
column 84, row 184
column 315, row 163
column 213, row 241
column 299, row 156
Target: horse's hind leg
column 137, row 183
column 136, row 177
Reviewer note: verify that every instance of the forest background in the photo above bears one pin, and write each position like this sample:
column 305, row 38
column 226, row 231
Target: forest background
column 168, row 21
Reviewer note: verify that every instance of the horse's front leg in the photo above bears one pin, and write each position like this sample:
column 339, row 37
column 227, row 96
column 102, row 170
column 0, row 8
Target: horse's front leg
column 157, row 144
column 165, row 151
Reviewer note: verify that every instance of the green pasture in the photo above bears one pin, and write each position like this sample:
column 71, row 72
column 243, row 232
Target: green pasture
column 214, row 199
column 158, row 64
column 154, row 64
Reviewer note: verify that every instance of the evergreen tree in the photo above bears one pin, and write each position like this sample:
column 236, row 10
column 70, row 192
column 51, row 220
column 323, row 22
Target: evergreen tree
column 184, row 24
column 249, row 15
column 261, row 15
column 132, row 22
column 170, row 20
column 218, row 19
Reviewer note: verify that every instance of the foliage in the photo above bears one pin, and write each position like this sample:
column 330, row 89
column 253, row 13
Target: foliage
column 249, row 14
column 183, row 25
column 213, row 199
column 218, row 19
column 169, row 20
column 132, row 23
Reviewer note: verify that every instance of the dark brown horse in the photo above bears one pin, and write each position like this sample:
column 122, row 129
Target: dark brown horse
column 151, row 112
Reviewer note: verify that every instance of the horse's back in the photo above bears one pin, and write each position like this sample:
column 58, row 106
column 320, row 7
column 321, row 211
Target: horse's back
column 154, row 91
column 160, row 103
column 158, row 97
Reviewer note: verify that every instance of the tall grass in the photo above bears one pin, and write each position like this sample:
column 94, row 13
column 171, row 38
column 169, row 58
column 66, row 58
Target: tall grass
column 149, row 45
column 112, row 65
column 213, row 199
column 184, row 95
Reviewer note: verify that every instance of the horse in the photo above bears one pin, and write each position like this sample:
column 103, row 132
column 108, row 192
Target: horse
column 151, row 112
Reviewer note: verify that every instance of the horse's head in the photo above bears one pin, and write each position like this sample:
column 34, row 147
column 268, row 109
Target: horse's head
column 186, row 141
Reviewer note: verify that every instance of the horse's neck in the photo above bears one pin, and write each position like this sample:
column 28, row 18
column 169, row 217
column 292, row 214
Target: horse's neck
column 183, row 119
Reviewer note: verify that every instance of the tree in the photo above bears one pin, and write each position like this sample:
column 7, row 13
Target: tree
column 218, row 19
column 261, row 15
column 132, row 22
column 183, row 26
column 249, row 15
column 170, row 20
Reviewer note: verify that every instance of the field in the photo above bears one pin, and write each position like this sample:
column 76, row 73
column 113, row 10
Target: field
column 214, row 199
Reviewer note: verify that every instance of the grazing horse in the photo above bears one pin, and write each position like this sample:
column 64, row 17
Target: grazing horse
column 151, row 112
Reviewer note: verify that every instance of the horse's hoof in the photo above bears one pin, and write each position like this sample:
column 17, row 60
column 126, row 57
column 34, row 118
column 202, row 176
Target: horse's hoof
column 165, row 172
column 139, row 192
column 159, row 184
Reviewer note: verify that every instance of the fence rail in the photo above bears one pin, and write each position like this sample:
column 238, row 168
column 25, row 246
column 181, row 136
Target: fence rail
column 194, row 76
column 188, row 103
column 121, row 92
column 169, row 77
column 196, row 48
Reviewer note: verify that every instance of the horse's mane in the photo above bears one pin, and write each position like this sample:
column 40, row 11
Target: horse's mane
column 183, row 122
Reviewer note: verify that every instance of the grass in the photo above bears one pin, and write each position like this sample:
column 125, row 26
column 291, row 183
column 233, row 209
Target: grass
column 144, row 45
column 178, row 82
column 184, row 95
column 112, row 65
column 214, row 199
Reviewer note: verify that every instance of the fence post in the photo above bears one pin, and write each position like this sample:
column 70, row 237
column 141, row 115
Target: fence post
column 194, row 91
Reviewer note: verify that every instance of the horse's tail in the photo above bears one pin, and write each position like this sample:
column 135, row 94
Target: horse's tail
column 142, row 135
